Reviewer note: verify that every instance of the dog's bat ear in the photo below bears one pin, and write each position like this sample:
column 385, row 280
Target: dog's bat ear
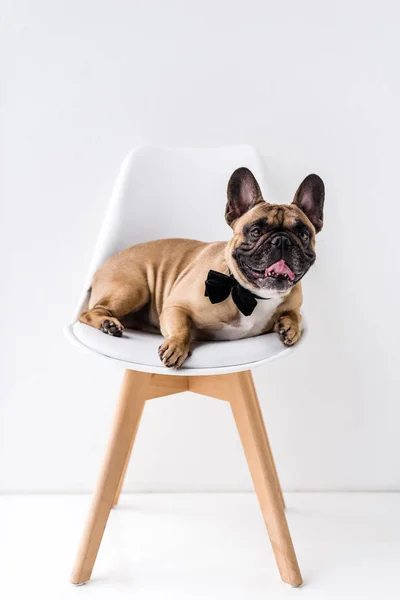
column 243, row 193
column 310, row 198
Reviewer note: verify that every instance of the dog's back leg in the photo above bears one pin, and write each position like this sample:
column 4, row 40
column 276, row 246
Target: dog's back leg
column 110, row 301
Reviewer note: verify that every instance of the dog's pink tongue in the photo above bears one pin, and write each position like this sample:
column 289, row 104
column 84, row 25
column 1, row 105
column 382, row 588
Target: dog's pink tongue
column 280, row 268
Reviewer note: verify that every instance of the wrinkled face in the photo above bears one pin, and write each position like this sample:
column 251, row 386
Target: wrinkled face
column 273, row 245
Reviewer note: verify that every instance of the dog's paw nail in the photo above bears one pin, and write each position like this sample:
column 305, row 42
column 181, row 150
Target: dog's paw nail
column 111, row 328
column 290, row 335
column 173, row 353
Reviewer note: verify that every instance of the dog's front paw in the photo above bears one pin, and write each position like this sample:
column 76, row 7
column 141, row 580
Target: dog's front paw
column 173, row 352
column 288, row 330
column 112, row 326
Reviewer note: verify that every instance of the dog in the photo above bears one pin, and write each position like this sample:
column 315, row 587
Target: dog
column 192, row 290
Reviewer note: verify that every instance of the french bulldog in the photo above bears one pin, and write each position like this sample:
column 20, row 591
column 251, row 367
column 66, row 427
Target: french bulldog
column 192, row 290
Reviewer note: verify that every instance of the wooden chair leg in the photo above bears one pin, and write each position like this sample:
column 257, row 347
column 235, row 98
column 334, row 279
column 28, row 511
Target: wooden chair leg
column 160, row 386
column 267, row 445
column 124, row 470
column 238, row 389
column 136, row 389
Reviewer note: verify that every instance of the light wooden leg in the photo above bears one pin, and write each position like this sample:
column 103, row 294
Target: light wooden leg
column 124, row 470
column 221, row 386
column 238, row 389
column 267, row 445
column 160, row 386
column 136, row 389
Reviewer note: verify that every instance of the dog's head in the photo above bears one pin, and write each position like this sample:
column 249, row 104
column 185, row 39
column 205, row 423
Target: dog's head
column 273, row 244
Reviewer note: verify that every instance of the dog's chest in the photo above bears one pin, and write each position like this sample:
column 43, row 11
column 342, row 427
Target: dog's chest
column 252, row 325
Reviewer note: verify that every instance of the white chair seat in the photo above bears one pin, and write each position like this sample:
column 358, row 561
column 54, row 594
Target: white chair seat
column 180, row 187
column 137, row 350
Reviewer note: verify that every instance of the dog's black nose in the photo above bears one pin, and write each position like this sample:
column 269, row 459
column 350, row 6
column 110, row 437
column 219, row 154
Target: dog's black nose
column 281, row 241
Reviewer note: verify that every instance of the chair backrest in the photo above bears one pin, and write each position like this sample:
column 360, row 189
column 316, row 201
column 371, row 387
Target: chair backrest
column 172, row 192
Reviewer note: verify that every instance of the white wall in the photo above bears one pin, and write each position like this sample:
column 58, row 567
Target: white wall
column 315, row 86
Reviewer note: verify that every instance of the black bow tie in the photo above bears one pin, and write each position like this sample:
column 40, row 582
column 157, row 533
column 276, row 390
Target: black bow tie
column 219, row 286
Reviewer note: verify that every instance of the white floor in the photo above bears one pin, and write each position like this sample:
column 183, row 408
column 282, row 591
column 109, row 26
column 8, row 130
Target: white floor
column 208, row 546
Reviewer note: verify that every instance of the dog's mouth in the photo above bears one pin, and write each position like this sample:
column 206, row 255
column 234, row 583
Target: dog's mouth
column 278, row 272
column 280, row 269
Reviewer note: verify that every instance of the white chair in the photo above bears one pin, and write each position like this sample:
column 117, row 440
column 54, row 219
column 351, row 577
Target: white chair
column 163, row 193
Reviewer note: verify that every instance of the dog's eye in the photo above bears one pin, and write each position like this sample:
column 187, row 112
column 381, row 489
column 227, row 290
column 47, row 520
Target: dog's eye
column 304, row 236
column 255, row 232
